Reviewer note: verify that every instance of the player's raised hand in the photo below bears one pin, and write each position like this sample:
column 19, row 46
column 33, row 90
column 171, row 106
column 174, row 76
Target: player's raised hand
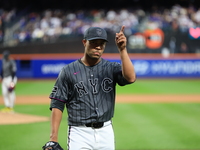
column 120, row 39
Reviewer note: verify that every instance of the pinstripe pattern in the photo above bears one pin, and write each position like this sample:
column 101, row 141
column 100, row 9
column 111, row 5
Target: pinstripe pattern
column 89, row 92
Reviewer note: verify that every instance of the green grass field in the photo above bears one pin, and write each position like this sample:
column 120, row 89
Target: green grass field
column 139, row 126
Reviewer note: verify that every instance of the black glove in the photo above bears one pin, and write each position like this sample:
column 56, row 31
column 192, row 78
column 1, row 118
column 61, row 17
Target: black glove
column 52, row 146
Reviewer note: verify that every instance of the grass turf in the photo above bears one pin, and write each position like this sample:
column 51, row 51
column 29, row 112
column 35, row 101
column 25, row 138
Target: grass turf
column 157, row 126
column 137, row 126
column 141, row 86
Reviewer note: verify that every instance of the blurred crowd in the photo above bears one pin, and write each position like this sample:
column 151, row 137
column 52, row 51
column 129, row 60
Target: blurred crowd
column 50, row 25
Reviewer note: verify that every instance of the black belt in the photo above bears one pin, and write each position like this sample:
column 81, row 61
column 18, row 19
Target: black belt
column 95, row 124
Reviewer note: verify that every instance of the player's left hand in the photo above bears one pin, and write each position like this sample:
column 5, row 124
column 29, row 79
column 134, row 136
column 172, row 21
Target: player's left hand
column 120, row 39
column 11, row 87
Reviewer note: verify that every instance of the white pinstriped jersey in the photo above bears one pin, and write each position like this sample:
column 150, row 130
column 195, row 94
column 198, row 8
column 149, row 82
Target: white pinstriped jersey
column 88, row 92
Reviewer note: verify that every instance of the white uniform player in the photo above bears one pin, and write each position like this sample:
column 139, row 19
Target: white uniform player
column 9, row 80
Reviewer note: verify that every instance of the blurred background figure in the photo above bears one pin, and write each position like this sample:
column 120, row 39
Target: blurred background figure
column 172, row 45
column 9, row 80
column 183, row 48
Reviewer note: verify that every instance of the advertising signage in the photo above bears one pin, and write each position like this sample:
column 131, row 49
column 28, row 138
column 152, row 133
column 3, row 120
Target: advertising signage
column 167, row 68
column 152, row 39
column 143, row 68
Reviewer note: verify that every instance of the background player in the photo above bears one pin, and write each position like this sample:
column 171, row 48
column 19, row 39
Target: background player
column 9, row 80
column 87, row 88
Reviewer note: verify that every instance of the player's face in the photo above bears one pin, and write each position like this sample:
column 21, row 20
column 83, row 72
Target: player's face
column 94, row 48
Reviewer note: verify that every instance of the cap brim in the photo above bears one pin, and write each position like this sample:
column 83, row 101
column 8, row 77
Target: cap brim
column 97, row 38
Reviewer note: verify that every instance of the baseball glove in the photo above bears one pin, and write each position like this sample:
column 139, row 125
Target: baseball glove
column 52, row 146
column 11, row 87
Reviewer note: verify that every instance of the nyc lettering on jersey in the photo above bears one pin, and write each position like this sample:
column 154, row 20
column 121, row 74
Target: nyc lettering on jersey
column 93, row 83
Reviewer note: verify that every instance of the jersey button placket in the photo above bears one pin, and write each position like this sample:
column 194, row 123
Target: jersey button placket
column 94, row 95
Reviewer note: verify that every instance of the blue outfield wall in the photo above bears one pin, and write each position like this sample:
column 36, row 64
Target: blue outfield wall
column 167, row 68
column 143, row 68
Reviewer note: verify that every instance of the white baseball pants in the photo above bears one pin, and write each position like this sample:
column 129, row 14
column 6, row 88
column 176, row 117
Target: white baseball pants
column 8, row 97
column 87, row 138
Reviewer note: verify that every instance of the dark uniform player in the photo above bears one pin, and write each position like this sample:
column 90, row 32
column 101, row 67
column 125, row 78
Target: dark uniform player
column 9, row 80
column 87, row 88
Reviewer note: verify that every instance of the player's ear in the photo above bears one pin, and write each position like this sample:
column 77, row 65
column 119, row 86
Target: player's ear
column 84, row 42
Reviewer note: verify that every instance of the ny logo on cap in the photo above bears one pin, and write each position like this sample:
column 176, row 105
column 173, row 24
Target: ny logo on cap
column 99, row 32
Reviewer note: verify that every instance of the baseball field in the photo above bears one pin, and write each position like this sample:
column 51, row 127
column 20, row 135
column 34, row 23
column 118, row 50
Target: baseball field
column 151, row 114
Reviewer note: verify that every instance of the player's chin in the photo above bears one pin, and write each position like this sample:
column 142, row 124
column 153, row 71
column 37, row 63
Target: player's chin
column 96, row 56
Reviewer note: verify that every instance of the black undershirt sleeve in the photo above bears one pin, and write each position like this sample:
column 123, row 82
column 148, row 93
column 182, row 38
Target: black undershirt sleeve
column 13, row 75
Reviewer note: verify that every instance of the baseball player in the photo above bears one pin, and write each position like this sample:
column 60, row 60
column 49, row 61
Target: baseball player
column 87, row 88
column 9, row 80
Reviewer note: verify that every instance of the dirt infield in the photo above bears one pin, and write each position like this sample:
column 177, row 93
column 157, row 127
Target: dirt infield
column 151, row 98
column 157, row 98
column 16, row 118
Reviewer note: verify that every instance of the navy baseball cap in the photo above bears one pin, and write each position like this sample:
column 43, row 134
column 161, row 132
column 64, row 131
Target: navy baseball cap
column 94, row 33
column 6, row 53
